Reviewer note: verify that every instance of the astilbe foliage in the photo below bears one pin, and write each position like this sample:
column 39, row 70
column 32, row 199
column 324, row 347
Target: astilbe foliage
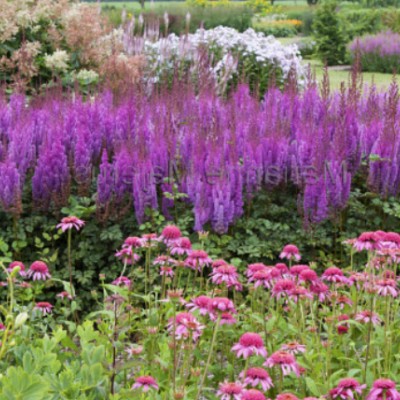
column 218, row 151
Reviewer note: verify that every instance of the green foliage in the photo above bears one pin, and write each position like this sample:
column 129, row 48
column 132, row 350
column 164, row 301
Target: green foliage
column 360, row 22
column 329, row 36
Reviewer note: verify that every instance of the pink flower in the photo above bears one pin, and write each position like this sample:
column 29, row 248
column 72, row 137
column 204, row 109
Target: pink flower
column 286, row 396
column 383, row 389
column 181, row 246
column 369, row 241
column 170, row 234
column 249, row 344
column 320, row 290
column 218, row 263
column 2, row 327
column 290, row 252
column 226, row 319
column 296, row 270
column 65, row 295
column 167, row 271
column 44, row 307
column 225, row 274
column 386, row 287
column 293, row 348
column 38, row 271
column 308, row 275
column 164, row 260
column 127, row 255
column 16, row 264
column 200, row 303
column 145, row 383
column 197, row 259
column 253, row 394
column 186, row 326
column 286, row 361
column 134, row 350
column 282, row 268
column 299, row 293
column 253, row 268
column 122, row 281
column 132, row 242
column 343, row 327
column 347, row 389
column 263, row 277
column 368, row 316
column 342, row 300
column 335, row 275
column 257, row 376
column 283, row 287
column 149, row 240
column 71, row 222
column 230, row 391
column 221, row 304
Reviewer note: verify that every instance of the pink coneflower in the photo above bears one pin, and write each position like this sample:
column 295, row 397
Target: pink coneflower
column 122, row 281
column 127, row 254
column 286, row 396
column 200, row 303
column 230, row 391
column 167, row 271
column 368, row 316
column 71, row 222
column 38, row 271
column 299, row 293
column 249, row 344
column 181, row 246
column 253, row 268
column 218, row 263
column 226, row 319
column 263, row 278
column 134, row 350
column 257, row 376
column 253, row 394
column 149, row 240
column 383, row 389
column 170, row 234
column 293, row 348
column 284, row 360
column 132, row 242
column 391, row 240
column 358, row 277
column 2, row 327
column 225, row 274
column 335, row 275
column 283, row 288
column 296, row 270
column 343, row 300
column 369, row 241
column 343, row 327
column 44, row 307
column 186, row 326
column 282, row 268
column 16, row 264
column 164, row 260
column 346, row 389
column 386, row 287
column 145, row 383
column 197, row 259
column 221, row 304
column 65, row 295
column 308, row 276
column 290, row 252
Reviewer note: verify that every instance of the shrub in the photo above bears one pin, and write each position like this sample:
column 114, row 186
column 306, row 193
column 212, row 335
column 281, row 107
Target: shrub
column 378, row 53
column 360, row 22
column 306, row 17
column 328, row 34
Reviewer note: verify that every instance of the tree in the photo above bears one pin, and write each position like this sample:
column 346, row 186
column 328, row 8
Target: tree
column 329, row 36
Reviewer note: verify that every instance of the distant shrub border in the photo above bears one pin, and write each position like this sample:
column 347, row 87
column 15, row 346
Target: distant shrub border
column 378, row 53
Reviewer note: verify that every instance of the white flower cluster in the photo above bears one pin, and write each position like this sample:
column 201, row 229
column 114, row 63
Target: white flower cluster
column 225, row 46
column 58, row 60
column 85, row 76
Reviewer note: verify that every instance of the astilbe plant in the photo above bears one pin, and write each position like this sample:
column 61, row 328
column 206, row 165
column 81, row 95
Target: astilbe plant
column 127, row 150
column 184, row 335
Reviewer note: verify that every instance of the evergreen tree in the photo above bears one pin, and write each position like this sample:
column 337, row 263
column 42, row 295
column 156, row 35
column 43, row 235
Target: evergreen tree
column 329, row 37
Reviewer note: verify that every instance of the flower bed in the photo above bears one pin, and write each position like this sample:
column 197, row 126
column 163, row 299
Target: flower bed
column 378, row 53
column 176, row 324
